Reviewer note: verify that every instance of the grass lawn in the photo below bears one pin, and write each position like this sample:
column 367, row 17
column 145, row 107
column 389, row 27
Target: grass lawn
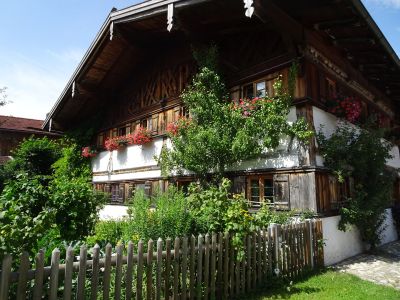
column 327, row 284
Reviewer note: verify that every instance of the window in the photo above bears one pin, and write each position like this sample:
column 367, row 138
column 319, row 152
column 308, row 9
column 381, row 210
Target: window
column 260, row 89
column 248, row 92
column 100, row 140
column 117, row 193
column 331, row 88
column 121, row 131
column 260, row 189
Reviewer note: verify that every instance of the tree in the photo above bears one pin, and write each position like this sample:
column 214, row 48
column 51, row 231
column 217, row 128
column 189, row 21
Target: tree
column 3, row 96
column 222, row 133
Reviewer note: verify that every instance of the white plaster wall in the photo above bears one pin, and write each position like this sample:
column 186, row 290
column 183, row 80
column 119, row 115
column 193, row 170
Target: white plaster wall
column 134, row 156
column 328, row 123
column 113, row 212
column 340, row 245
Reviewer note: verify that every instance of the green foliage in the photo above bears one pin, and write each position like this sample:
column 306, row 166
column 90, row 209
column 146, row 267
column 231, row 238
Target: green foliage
column 77, row 207
column 35, row 156
column 25, row 215
column 361, row 154
column 266, row 216
column 110, row 231
column 71, row 164
column 164, row 215
column 48, row 197
column 220, row 134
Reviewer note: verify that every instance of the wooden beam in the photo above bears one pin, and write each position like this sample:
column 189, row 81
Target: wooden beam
column 353, row 40
column 337, row 23
column 268, row 11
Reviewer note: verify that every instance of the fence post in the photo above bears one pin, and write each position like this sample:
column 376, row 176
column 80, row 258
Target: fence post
column 310, row 247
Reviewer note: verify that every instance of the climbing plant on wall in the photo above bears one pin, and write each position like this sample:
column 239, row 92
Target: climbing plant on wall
column 361, row 154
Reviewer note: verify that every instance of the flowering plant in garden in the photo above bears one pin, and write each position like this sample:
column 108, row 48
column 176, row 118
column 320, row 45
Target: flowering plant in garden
column 173, row 128
column 88, row 152
column 348, row 108
column 141, row 136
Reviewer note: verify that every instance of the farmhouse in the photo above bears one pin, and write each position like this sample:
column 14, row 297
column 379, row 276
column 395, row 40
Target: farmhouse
column 14, row 130
column 131, row 77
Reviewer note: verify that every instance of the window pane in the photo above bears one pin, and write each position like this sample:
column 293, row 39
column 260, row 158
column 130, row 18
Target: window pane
column 260, row 89
column 268, row 190
column 254, row 190
column 248, row 91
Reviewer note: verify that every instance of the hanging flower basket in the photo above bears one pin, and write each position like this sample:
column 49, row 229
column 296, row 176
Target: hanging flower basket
column 89, row 152
column 348, row 108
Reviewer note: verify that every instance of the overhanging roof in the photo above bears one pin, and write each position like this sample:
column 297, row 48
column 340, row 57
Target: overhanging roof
column 299, row 10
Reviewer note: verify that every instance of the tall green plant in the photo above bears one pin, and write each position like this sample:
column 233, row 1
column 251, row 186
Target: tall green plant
column 221, row 133
column 361, row 154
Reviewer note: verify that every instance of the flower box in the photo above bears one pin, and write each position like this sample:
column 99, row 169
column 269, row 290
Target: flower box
column 139, row 137
column 348, row 108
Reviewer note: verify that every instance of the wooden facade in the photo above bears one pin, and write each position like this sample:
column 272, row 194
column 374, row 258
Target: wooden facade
column 136, row 69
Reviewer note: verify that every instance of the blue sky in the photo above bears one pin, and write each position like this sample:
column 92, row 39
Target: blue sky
column 42, row 42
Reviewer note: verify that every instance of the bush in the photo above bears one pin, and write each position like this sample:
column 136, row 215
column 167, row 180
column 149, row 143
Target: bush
column 109, row 231
column 266, row 216
column 164, row 215
column 77, row 206
column 26, row 215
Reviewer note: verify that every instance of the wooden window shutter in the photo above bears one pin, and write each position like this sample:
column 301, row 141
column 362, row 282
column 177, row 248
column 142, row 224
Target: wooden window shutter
column 281, row 190
column 176, row 113
column 155, row 123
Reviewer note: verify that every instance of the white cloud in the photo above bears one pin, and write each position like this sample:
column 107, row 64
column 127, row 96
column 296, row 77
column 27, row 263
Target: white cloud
column 386, row 3
column 33, row 86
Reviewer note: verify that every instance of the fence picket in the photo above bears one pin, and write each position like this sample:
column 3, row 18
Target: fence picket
column 39, row 265
column 248, row 263
column 107, row 272
column 206, row 265
column 55, row 262
column 226, row 265
column 82, row 273
column 167, row 267
column 159, row 268
column 184, row 266
column 95, row 272
column 22, row 278
column 219, row 273
column 213, row 265
column 139, row 278
column 149, row 270
column 129, row 272
column 176, row 267
column 200, row 241
column 5, row 276
column 69, row 261
column 118, row 273
column 192, row 267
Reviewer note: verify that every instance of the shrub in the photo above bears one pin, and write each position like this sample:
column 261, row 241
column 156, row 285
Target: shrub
column 77, row 206
column 25, row 215
column 109, row 231
column 164, row 215
column 266, row 216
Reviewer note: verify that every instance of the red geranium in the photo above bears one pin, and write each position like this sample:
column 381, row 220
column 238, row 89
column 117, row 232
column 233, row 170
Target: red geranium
column 349, row 108
column 88, row 152
column 141, row 136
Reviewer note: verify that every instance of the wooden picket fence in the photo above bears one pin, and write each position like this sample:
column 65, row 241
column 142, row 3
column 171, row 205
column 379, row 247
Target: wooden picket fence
column 186, row 268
